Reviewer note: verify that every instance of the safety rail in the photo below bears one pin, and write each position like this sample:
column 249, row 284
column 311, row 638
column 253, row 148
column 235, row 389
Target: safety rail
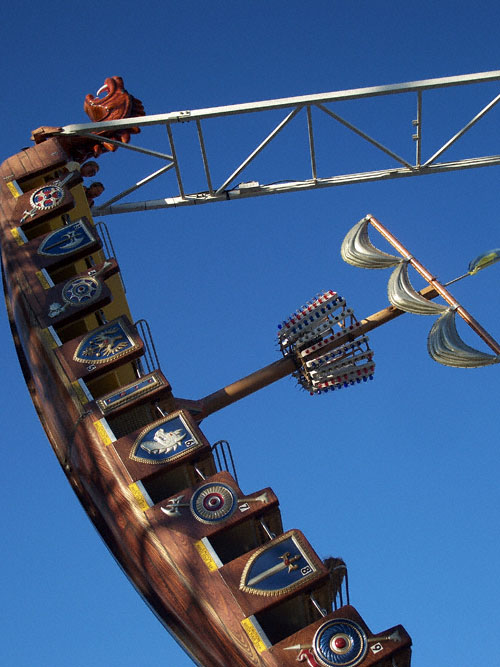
column 222, row 452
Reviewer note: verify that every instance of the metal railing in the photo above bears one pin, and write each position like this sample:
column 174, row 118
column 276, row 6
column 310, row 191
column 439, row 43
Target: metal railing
column 224, row 458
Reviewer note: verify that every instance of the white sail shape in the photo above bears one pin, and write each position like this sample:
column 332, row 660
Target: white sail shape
column 402, row 294
column 446, row 347
column 358, row 250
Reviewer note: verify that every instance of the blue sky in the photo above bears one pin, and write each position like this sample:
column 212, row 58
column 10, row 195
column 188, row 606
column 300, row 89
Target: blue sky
column 398, row 476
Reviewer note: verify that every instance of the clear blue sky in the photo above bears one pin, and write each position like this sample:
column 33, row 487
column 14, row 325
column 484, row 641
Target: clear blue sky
column 399, row 477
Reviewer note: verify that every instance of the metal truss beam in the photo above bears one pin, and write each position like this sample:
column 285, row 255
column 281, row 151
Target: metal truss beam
column 228, row 190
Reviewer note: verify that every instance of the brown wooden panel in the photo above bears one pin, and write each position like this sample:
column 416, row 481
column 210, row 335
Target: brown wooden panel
column 142, row 464
column 80, row 235
column 42, row 158
column 15, row 168
column 30, row 161
column 300, row 570
column 27, row 216
column 77, row 297
column 380, row 647
column 8, row 200
column 101, row 350
column 35, row 161
column 204, row 607
column 147, row 389
column 174, row 514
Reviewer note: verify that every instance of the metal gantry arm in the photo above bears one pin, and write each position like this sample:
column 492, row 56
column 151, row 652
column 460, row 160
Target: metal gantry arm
column 228, row 189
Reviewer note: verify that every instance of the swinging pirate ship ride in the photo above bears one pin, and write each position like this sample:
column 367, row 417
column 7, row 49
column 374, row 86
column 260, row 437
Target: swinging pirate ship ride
column 212, row 562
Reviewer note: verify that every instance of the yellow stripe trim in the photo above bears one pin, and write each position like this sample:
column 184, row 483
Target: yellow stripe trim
column 80, row 393
column 103, row 434
column 205, row 556
column 253, row 635
column 136, row 492
column 14, row 188
column 43, row 280
column 15, row 233
column 48, row 338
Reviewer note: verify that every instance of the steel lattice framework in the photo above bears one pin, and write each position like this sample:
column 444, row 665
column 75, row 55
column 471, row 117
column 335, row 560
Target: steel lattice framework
column 325, row 103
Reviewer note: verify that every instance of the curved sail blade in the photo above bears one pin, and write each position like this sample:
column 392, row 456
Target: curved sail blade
column 446, row 347
column 358, row 250
column 402, row 294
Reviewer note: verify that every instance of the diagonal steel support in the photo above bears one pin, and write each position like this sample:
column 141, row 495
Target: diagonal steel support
column 365, row 136
column 205, row 192
column 129, row 147
column 259, row 148
column 459, row 134
column 137, row 185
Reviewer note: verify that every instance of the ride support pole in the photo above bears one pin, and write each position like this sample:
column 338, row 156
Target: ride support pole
column 286, row 366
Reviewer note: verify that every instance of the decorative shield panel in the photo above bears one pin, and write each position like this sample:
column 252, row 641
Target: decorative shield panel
column 278, row 567
column 340, row 642
column 166, row 440
column 108, row 342
column 66, row 240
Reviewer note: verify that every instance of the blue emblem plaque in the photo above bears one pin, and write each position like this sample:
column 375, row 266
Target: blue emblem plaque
column 104, row 344
column 278, row 567
column 164, row 441
column 66, row 240
column 340, row 642
column 129, row 393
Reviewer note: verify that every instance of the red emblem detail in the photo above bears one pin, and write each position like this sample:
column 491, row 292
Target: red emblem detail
column 306, row 654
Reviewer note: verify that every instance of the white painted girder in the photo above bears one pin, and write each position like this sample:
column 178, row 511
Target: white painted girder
column 228, row 190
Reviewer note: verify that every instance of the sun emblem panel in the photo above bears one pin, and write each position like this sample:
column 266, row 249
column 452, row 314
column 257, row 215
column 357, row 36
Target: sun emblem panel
column 108, row 342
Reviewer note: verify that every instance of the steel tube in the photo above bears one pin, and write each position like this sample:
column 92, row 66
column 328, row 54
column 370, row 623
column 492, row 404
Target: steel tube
column 197, row 198
column 419, row 129
column 284, row 102
column 259, row 148
column 459, row 134
column 139, row 184
column 177, row 170
column 204, row 157
column 120, row 144
column 312, row 152
column 365, row 136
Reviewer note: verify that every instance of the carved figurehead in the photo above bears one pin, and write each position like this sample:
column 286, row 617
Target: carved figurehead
column 113, row 102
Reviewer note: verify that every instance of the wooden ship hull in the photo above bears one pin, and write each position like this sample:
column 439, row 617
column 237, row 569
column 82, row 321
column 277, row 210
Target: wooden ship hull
column 211, row 561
